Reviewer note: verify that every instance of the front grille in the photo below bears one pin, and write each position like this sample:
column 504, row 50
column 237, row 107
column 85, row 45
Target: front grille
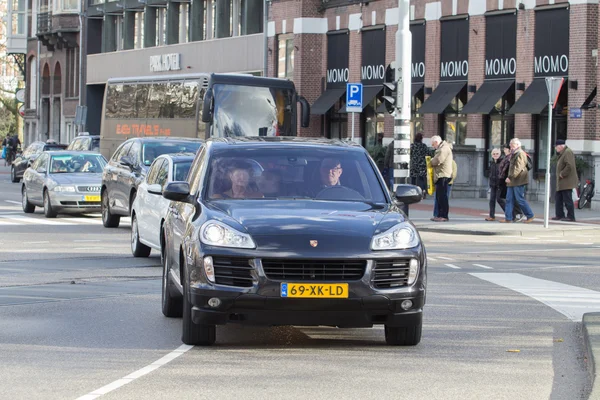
column 233, row 271
column 88, row 189
column 389, row 274
column 81, row 204
column 314, row 270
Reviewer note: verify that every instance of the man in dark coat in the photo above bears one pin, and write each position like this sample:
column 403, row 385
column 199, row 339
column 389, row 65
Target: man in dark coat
column 566, row 181
column 496, row 187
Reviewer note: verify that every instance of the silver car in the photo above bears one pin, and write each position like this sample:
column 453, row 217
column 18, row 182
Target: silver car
column 63, row 182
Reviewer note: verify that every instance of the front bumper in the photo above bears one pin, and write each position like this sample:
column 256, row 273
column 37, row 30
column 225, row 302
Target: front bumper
column 74, row 202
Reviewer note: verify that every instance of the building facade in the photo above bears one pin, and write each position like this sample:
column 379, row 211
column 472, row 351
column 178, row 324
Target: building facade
column 478, row 69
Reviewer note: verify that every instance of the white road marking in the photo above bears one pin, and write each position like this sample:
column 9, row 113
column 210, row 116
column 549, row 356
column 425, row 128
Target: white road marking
column 13, row 202
column 137, row 374
column 485, row 241
column 482, row 266
column 22, row 250
column 88, row 248
column 86, row 240
column 30, row 220
column 586, row 244
column 41, row 242
column 452, row 266
column 431, row 258
column 446, row 258
column 571, row 301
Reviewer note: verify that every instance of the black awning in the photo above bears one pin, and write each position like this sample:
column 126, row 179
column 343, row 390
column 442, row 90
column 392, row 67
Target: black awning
column 441, row 97
column 484, row 100
column 589, row 102
column 415, row 88
column 326, row 101
column 533, row 100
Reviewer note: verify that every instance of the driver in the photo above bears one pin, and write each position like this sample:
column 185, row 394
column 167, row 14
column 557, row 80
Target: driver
column 330, row 171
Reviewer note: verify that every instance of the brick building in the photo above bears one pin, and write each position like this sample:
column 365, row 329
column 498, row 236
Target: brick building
column 478, row 73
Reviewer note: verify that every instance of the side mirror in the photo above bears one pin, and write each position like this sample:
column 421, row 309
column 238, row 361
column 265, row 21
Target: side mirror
column 177, row 191
column 305, row 116
column 408, row 194
column 207, row 106
column 155, row 189
column 41, row 170
column 126, row 161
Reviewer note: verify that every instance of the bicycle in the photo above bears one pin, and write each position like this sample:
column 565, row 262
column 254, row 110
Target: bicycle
column 586, row 193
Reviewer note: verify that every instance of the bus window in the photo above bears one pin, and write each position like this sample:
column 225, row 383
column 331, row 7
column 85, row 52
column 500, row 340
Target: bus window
column 187, row 106
column 127, row 102
column 141, row 100
column 156, row 97
column 201, row 125
column 113, row 95
column 172, row 98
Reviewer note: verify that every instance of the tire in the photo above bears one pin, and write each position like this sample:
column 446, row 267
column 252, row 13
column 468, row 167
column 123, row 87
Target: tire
column 195, row 334
column 49, row 212
column 131, row 200
column 28, row 208
column 172, row 306
column 138, row 249
column 403, row 336
column 108, row 220
column 13, row 175
column 585, row 196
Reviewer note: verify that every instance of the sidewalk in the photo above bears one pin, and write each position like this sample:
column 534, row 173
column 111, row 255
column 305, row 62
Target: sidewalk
column 467, row 217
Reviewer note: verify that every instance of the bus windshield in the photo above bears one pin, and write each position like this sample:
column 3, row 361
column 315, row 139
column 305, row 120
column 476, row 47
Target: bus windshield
column 252, row 111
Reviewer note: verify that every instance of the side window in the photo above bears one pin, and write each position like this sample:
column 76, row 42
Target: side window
column 84, row 144
column 29, row 151
column 163, row 174
column 196, row 171
column 121, row 151
column 36, row 163
column 135, row 152
column 43, row 162
column 153, row 172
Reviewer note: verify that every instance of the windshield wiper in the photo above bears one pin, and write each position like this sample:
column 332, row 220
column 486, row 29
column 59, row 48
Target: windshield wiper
column 294, row 198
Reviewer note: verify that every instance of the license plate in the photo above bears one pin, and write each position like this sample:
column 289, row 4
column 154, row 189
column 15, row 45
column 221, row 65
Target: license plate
column 315, row 290
column 91, row 198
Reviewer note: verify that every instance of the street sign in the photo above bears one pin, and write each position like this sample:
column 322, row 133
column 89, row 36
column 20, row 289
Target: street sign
column 575, row 112
column 22, row 110
column 20, row 95
column 354, row 97
column 553, row 86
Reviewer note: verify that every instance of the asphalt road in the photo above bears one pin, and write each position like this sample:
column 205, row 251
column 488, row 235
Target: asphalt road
column 80, row 317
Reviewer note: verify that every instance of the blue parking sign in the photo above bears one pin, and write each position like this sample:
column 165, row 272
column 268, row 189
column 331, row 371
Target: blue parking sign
column 354, row 93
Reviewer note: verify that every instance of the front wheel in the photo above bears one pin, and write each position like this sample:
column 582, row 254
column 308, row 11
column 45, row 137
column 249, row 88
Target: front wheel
column 195, row 334
column 28, row 208
column 49, row 212
column 585, row 196
column 138, row 249
column 108, row 220
column 403, row 335
column 13, row 175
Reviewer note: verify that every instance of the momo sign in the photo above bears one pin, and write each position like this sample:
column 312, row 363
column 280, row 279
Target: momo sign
column 455, row 50
column 417, row 69
column 337, row 60
column 501, row 46
column 551, row 56
column 372, row 70
column 165, row 62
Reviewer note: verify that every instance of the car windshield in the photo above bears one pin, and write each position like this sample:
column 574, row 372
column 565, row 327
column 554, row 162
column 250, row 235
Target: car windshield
column 252, row 111
column 76, row 163
column 181, row 169
column 293, row 172
column 152, row 150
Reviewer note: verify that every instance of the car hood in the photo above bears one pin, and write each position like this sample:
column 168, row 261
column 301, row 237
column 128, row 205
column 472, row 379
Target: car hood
column 77, row 178
column 291, row 225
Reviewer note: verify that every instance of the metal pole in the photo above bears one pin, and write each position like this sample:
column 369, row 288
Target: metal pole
column 403, row 78
column 549, row 147
column 265, row 37
column 353, row 127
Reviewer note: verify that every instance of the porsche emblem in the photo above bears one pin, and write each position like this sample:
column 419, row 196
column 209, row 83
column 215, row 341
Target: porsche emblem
column 314, row 243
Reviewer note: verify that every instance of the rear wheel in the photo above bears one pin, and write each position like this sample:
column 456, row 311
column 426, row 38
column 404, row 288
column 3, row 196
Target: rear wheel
column 13, row 175
column 49, row 212
column 172, row 306
column 403, row 335
column 108, row 220
column 194, row 334
column 585, row 196
column 138, row 249
column 28, row 208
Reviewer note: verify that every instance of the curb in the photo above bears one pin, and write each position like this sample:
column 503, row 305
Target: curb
column 533, row 232
column 591, row 340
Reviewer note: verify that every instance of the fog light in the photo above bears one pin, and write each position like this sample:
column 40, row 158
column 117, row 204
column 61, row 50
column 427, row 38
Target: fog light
column 215, row 302
column 209, row 270
column 406, row 304
column 413, row 271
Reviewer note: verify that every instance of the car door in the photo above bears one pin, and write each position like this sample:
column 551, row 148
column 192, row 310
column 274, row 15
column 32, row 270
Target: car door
column 143, row 202
column 23, row 162
column 116, row 173
column 157, row 205
column 38, row 176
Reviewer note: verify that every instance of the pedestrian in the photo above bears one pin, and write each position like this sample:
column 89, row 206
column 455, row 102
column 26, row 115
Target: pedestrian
column 566, row 181
column 450, row 183
column 518, row 177
column 5, row 150
column 418, row 163
column 442, row 174
column 502, row 175
column 496, row 187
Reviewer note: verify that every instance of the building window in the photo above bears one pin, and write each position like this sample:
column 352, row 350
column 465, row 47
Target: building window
column 138, row 41
column 33, row 83
column 184, row 17
column 119, row 35
column 455, row 122
column 69, row 5
column 72, row 82
column 161, row 27
column 285, row 65
column 417, row 120
column 19, row 15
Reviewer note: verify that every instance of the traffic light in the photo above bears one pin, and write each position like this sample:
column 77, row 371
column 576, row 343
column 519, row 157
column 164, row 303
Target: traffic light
column 390, row 86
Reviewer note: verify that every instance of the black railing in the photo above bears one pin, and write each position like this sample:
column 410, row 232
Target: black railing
column 44, row 22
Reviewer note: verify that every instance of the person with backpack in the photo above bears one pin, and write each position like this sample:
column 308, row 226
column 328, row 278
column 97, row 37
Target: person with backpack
column 517, row 179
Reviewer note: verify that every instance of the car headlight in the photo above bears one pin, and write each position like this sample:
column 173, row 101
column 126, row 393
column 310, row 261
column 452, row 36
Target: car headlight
column 64, row 188
column 401, row 236
column 216, row 233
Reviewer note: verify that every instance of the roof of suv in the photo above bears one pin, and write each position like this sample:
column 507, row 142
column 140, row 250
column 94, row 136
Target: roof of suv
column 166, row 139
column 275, row 140
column 176, row 157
